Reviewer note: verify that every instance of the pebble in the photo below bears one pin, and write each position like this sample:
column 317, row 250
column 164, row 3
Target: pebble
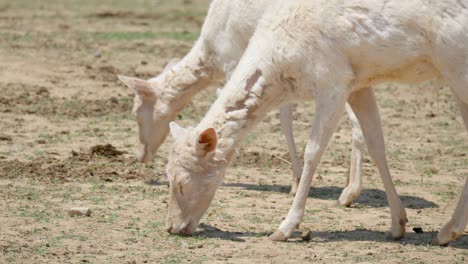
column 42, row 90
column 114, row 100
column 79, row 211
column 307, row 236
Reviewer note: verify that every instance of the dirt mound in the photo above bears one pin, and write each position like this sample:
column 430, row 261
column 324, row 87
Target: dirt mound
column 106, row 150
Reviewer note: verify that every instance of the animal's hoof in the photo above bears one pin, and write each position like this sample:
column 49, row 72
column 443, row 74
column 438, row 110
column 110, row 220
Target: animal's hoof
column 293, row 191
column 436, row 242
column 278, row 236
column 397, row 232
column 348, row 196
column 390, row 236
column 345, row 202
column 294, row 186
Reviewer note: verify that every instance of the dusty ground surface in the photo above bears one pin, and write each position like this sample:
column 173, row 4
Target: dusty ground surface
column 60, row 104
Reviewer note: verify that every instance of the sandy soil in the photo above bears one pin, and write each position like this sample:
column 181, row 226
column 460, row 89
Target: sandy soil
column 61, row 103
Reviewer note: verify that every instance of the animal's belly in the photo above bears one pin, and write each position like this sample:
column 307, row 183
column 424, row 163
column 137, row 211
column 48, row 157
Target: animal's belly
column 418, row 70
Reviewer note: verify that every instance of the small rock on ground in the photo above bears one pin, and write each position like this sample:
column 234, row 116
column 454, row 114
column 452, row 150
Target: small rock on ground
column 79, row 211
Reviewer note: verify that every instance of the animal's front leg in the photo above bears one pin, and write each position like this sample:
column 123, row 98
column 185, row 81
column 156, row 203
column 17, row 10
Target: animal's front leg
column 329, row 109
column 364, row 106
column 286, row 118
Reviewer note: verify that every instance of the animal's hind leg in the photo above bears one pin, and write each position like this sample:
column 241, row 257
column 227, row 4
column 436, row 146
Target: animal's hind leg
column 455, row 227
column 365, row 108
column 463, row 106
column 286, row 126
column 354, row 182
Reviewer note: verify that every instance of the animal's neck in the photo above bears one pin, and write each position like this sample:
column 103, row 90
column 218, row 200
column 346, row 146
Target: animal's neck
column 188, row 77
column 243, row 103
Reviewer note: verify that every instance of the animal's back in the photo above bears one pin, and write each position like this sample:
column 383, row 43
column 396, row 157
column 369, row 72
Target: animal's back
column 400, row 40
column 229, row 26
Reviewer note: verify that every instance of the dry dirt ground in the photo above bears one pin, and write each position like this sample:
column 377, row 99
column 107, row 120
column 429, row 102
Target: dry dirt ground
column 60, row 104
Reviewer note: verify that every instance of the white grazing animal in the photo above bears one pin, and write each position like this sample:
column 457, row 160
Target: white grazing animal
column 225, row 34
column 331, row 51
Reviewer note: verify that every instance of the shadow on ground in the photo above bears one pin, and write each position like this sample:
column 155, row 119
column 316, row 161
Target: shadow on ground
column 370, row 235
column 423, row 239
column 368, row 197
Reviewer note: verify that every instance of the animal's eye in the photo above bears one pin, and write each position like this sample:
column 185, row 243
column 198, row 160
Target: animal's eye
column 181, row 190
column 181, row 185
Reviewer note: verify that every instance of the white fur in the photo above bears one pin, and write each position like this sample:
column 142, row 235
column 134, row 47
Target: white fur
column 332, row 51
column 177, row 131
column 224, row 38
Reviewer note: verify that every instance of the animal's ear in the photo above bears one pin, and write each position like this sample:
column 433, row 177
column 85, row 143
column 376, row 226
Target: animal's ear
column 171, row 64
column 207, row 142
column 141, row 87
column 177, row 131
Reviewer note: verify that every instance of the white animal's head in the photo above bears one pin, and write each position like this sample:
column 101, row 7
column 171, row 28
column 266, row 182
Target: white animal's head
column 152, row 111
column 194, row 175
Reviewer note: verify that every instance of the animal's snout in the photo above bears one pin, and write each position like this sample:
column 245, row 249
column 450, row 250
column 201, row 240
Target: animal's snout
column 143, row 155
column 185, row 231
